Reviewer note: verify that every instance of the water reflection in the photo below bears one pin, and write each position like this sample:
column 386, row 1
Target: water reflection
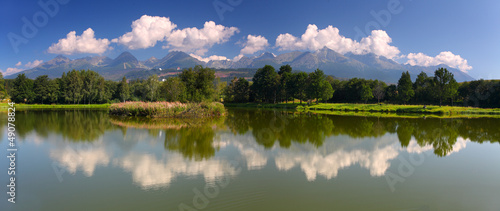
column 157, row 151
column 149, row 171
column 76, row 126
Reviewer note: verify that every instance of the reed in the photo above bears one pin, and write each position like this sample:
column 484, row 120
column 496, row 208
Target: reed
column 167, row 109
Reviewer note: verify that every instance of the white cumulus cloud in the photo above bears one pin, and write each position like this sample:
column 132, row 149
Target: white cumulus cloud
column 10, row 71
column 207, row 59
column 146, row 32
column 85, row 43
column 199, row 40
column 378, row 42
column 254, row 44
column 237, row 58
column 32, row 64
column 19, row 64
column 446, row 57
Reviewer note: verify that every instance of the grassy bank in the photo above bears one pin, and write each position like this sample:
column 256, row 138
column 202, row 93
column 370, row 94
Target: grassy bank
column 375, row 109
column 23, row 106
column 167, row 109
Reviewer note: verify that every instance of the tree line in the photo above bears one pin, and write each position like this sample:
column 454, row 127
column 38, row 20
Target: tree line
column 88, row 87
column 267, row 86
column 271, row 86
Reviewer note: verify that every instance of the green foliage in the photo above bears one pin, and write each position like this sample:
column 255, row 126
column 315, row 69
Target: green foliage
column 299, row 85
column 379, row 90
column 317, row 84
column 152, row 88
column 265, row 84
column 199, row 83
column 238, row 91
column 366, row 92
column 3, row 92
column 423, row 88
column 445, row 85
column 22, row 89
column 405, row 87
column 173, row 90
column 46, row 90
column 123, row 90
column 480, row 93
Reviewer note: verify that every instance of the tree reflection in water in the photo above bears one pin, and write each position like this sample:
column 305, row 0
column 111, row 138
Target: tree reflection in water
column 194, row 138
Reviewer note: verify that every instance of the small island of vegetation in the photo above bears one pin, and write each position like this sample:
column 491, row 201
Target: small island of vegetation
column 167, row 109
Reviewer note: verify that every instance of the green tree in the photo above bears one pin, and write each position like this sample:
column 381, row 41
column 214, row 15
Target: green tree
column 238, row 91
column 45, row 90
column 445, row 85
column 423, row 88
column 326, row 91
column 299, row 85
column 123, row 90
column 173, row 90
column 199, row 83
column 379, row 90
column 22, row 89
column 315, row 84
column 3, row 92
column 90, row 91
column 285, row 75
column 405, row 87
column 152, row 88
column 366, row 92
column 73, row 87
column 265, row 84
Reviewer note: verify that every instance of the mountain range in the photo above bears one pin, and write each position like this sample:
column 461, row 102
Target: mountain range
column 369, row 66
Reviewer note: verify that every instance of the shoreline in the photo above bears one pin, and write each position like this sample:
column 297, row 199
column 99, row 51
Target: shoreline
column 377, row 109
column 346, row 109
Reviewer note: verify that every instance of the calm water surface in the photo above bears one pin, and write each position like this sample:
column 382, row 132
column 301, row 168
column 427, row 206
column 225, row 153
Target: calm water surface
column 252, row 160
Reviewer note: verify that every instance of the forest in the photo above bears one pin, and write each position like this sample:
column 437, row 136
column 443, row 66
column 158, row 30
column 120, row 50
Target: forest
column 200, row 84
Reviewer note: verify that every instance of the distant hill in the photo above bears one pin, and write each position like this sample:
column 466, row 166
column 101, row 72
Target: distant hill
column 369, row 66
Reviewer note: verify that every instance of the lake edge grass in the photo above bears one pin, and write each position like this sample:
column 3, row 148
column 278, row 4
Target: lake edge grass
column 22, row 106
column 167, row 109
column 379, row 110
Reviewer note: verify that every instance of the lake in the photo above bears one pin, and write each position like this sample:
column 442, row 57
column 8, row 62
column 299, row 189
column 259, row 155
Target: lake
column 252, row 160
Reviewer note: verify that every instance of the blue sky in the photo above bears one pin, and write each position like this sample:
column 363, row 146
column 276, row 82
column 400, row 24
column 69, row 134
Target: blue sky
column 462, row 34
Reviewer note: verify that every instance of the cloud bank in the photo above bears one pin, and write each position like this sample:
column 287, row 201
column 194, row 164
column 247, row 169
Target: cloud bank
column 146, row 32
column 446, row 57
column 85, row 43
column 314, row 39
column 254, row 44
column 207, row 59
column 199, row 40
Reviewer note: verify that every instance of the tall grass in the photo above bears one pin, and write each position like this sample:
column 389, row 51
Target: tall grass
column 167, row 109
